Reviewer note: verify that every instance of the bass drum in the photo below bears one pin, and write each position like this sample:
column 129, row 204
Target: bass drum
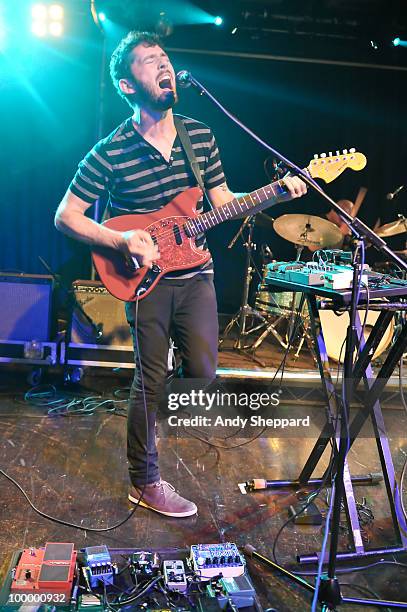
column 334, row 328
column 276, row 303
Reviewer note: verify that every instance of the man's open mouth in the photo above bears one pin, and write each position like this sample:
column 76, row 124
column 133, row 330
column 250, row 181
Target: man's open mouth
column 165, row 82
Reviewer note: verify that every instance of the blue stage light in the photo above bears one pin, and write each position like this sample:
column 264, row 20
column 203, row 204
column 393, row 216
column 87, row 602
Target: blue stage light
column 102, row 16
column 396, row 41
column 218, row 21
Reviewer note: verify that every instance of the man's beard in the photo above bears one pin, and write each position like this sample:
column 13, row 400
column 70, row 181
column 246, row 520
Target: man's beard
column 147, row 97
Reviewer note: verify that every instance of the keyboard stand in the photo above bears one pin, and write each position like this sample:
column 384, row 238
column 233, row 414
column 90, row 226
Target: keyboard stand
column 370, row 409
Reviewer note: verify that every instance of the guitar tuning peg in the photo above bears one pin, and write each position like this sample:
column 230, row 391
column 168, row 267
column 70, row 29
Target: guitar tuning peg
column 315, row 155
column 337, row 152
column 323, row 155
column 352, row 150
column 330, row 154
column 345, row 151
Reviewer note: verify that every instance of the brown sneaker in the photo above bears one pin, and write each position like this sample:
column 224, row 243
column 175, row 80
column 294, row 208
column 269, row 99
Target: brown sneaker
column 162, row 497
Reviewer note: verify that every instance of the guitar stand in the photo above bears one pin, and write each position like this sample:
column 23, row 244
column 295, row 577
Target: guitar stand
column 371, row 409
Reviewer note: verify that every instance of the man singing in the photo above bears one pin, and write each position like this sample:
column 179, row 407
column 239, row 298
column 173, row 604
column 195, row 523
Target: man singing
column 142, row 166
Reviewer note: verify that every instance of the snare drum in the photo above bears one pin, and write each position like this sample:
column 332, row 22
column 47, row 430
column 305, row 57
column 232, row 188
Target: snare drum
column 334, row 328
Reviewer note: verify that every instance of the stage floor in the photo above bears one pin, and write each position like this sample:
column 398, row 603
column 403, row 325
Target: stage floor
column 74, row 468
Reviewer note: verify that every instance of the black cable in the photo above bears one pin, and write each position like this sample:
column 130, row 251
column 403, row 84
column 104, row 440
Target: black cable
column 401, row 390
column 364, row 590
column 401, row 486
column 81, row 527
column 310, row 498
column 135, row 597
column 361, row 568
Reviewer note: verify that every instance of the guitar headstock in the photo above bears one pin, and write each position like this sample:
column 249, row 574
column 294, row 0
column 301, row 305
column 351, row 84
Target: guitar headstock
column 329, row 167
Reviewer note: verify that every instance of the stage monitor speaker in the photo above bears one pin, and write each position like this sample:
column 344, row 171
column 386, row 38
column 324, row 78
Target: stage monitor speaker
column 26, row 307
column 104, row 321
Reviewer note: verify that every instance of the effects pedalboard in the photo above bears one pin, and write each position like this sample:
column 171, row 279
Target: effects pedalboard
column 328, row 275
column 96, row 579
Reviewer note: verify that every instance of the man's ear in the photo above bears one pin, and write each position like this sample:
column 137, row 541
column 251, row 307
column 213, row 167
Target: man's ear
column 126, row 86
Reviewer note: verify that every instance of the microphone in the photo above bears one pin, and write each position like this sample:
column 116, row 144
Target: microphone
column 184, row 78
column 393, row 194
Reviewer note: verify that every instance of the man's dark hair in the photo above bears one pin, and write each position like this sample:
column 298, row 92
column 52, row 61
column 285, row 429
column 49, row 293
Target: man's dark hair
column 120, row 61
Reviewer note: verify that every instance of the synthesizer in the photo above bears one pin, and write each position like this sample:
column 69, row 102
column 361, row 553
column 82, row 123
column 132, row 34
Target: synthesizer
column 313, row 274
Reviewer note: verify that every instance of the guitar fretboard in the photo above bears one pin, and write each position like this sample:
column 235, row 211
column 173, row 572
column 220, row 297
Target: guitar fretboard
column 272, row 193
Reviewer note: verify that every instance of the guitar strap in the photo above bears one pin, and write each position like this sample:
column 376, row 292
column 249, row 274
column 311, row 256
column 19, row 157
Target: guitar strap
column 189, row 151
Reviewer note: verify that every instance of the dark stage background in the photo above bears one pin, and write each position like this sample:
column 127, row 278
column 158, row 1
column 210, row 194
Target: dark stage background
column 49, row 107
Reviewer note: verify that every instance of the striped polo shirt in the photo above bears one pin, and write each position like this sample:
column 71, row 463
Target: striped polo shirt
column 138, row 179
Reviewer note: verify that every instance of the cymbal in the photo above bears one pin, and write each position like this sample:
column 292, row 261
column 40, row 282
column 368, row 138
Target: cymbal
column 393, row 228
column 308, row 230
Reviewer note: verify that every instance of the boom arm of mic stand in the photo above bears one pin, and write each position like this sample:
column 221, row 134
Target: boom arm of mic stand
column 358, row 228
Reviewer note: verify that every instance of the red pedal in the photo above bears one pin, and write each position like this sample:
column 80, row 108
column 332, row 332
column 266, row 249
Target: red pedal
column 45, row 572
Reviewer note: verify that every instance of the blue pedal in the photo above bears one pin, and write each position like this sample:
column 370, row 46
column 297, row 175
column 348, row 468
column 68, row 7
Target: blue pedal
column 98, row 563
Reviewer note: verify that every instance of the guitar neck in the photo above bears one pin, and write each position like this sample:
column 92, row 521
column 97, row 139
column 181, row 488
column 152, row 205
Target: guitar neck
column 243, row 206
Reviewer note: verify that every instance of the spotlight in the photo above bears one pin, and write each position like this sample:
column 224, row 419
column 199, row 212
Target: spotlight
column 39, row 28
column 374, row 45
column 2, row 34
column 234, row 31
column 39, row 12
column 396, row 41
column 218, row 21
column 47, row 19
column 56, row 12
column 55, row 28
column 102, row 16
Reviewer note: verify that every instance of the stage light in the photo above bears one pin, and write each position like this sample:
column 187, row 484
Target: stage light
column 47, row 19
column 234, row 31
column 102, row 16
column 55, row 28
column 39, row 28
column 396, row 41
column 39, row 12
column 2, row 35
column 56, row 12
column 218, row 21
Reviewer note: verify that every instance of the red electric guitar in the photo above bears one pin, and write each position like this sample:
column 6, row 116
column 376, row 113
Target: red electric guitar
column 175, row 227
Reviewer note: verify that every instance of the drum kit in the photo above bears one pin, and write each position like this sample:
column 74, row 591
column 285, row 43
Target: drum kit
column 278, row 310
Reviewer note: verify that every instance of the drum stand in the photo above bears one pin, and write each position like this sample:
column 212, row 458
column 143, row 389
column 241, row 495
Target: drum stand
column 245, row 311
column 290, row 315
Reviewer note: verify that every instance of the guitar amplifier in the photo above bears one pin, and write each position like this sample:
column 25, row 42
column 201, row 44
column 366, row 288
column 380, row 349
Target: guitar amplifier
column 100, row 318
column 99, row 333
column 26, row 307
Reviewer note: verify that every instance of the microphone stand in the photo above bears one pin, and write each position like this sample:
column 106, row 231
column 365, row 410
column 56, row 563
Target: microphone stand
column 329, row 595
